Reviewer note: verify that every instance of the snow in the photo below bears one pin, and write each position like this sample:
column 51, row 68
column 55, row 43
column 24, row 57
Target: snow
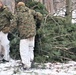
column 13, row 67
column 74, row 16
column 61, row 12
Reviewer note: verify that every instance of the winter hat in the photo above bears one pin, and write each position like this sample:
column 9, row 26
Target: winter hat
column 21, row 4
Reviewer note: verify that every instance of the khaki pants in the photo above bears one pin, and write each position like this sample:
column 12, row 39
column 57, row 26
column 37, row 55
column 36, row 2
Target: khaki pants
column 4, row 46
column 26, row 51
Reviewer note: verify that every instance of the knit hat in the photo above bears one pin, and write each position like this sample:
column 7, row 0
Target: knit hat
column 21, row 4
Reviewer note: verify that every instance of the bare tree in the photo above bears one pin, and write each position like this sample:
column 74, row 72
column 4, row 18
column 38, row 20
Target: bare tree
column 68, row 13
column 10, row 4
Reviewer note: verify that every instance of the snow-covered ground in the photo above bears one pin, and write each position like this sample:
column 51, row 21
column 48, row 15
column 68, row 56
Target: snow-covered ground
column 14, row 68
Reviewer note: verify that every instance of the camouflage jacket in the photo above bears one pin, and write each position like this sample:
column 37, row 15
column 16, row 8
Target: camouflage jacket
column 26, row 22
column 5, row 17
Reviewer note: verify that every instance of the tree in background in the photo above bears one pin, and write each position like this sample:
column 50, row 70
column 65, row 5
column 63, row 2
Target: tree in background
column 10, row 4
column 48, row 4
column 68, row 13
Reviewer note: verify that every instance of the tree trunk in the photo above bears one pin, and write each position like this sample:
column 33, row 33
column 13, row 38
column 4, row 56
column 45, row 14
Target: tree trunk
column 68, row 13
column 49, row 6
column 10, row 4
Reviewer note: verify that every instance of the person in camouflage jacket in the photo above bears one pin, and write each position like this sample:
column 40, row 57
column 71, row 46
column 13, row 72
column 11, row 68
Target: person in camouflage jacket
column 5, row 17
column 27, row 29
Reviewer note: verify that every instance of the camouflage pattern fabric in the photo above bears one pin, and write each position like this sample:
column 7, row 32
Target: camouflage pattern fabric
column 13, row 25
column 26, row 21
column 5, row 17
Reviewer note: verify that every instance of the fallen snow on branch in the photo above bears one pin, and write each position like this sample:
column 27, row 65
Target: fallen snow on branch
column 14, row 68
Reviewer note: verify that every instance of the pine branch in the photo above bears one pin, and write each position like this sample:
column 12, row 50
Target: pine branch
column 61, row 36
column 65, row 49
column 66, row 58
column 62, row 48
column 34, row 6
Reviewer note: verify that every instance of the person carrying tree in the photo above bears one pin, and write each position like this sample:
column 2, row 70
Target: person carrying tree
column 5, row 19
column 27, row 29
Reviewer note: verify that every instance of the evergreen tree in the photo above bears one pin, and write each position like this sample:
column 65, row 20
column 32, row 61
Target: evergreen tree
column 55, row 39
